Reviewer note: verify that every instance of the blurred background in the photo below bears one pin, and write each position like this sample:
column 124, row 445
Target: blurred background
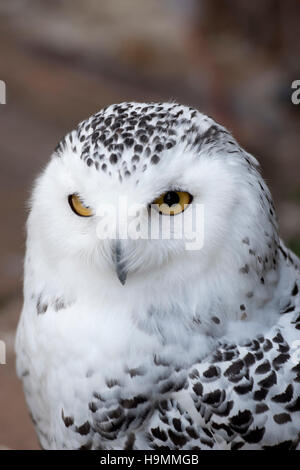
column 63, row 60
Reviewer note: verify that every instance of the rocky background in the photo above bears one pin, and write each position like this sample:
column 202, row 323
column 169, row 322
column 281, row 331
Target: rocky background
column 63, row 60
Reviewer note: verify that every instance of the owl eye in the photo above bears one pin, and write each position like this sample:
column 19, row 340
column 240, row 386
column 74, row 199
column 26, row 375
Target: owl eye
column 78, row 207
column 173, row 202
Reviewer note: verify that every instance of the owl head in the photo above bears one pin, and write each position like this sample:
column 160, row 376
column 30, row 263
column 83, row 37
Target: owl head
column 152, row 193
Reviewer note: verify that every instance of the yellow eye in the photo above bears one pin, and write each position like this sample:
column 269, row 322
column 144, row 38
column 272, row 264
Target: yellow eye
column 78, row 207
column 173, row 202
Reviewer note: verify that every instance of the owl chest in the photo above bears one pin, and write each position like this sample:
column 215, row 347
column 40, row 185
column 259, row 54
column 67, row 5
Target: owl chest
column 97, row 383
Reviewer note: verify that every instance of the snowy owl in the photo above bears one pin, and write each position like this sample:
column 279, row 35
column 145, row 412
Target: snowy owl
column 140, row 343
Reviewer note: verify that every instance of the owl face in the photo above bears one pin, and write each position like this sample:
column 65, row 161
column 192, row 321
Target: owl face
column 144, row 189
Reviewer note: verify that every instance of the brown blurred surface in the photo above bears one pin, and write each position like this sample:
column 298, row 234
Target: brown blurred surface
column 62, row 62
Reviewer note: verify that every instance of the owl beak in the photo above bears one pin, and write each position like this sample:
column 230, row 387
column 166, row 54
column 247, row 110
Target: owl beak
column 120, row 266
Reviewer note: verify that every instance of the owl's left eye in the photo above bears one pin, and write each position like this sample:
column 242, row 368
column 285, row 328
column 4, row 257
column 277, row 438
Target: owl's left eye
column 78, row 207
column 173, row 202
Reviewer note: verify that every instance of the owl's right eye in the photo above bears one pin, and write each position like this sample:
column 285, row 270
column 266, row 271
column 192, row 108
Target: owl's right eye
column 78, row 207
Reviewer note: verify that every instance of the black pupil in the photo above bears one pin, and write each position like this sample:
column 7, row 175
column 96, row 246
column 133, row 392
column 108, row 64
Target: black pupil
column 171, row 197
